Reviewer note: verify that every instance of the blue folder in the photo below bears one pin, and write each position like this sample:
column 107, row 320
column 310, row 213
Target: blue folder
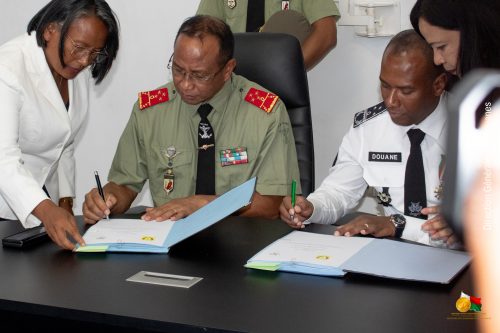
column 379, row 257
column 218, row 209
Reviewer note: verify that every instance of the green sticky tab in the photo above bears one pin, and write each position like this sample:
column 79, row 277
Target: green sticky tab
column 92, row 248
column 266, row 266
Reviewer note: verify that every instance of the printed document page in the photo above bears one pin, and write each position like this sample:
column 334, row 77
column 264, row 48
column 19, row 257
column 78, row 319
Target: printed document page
column 311, row 248
column 128, row 231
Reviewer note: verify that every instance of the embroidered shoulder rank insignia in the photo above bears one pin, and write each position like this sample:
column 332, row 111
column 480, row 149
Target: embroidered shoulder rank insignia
column 261, row 99
column 368, row 114
column 153, row 97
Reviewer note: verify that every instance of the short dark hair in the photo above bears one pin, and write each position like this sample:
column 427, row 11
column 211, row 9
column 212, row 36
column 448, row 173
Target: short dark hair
column 410, row 40
column 65, row 12
column 478, row 24
column 201, row 25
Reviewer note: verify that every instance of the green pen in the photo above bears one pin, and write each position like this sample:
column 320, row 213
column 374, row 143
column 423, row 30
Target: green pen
column 294, row 187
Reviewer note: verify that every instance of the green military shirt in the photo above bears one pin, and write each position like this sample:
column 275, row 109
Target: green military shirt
column 236, row 17
column 267, row 138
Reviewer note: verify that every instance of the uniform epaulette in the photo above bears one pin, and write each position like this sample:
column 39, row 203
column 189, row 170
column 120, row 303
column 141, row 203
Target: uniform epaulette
column 262, row 99
column 368, row 114
column 153, row 97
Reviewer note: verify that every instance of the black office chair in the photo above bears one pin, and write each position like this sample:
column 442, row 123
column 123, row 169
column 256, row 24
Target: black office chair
column 275, row 61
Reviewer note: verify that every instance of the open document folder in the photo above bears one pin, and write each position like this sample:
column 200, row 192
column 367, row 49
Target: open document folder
column 136, row 235
column 310, row 253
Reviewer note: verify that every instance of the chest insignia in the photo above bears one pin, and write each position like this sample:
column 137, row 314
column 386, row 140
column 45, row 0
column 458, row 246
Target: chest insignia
column 384, row 197
column 168, row 176
column 233, row 156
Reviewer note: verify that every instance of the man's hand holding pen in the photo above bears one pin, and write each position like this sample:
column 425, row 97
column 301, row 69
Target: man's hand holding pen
column 112, row 199
column 96, row 208
column 302, row 210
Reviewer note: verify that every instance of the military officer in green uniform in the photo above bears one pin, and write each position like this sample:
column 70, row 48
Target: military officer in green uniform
column 315, row 19
column 161, row 142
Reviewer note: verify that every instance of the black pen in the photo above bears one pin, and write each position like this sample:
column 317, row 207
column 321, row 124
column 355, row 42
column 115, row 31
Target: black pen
column 99, row 188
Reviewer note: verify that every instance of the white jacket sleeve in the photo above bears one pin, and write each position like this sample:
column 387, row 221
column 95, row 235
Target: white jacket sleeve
column 66, row 172
column 18, row 188
column 343, row 187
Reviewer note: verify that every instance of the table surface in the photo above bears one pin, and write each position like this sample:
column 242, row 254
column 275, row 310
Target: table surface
column 92, row 288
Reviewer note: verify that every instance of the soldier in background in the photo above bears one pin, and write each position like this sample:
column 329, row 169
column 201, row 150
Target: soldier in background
column 314, row 23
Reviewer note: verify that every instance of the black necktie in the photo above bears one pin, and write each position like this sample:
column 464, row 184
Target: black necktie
column 415, row 197
column 255, row 15
column 205, row 175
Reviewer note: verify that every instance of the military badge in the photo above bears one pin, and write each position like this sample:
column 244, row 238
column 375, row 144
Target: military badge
column 233, row 156
column 171, row 152
column 285, row 5
column 261, row 99
column 384, row 197
column 206, row 146
column 205, row 131
column 415, row 209
column 168, row 180
column 168, row 176
column 231, row 4
column 438, row 191
column 153, row 97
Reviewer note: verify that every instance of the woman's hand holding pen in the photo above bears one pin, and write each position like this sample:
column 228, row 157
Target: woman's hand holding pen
column 294, row 216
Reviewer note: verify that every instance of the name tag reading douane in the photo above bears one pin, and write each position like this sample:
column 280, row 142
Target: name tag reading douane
column 374, row 156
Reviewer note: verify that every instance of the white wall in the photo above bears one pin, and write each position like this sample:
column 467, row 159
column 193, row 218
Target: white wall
column 345, row 82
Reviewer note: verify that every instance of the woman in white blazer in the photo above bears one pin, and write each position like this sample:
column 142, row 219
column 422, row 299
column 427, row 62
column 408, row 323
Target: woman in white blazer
column 44, row 80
